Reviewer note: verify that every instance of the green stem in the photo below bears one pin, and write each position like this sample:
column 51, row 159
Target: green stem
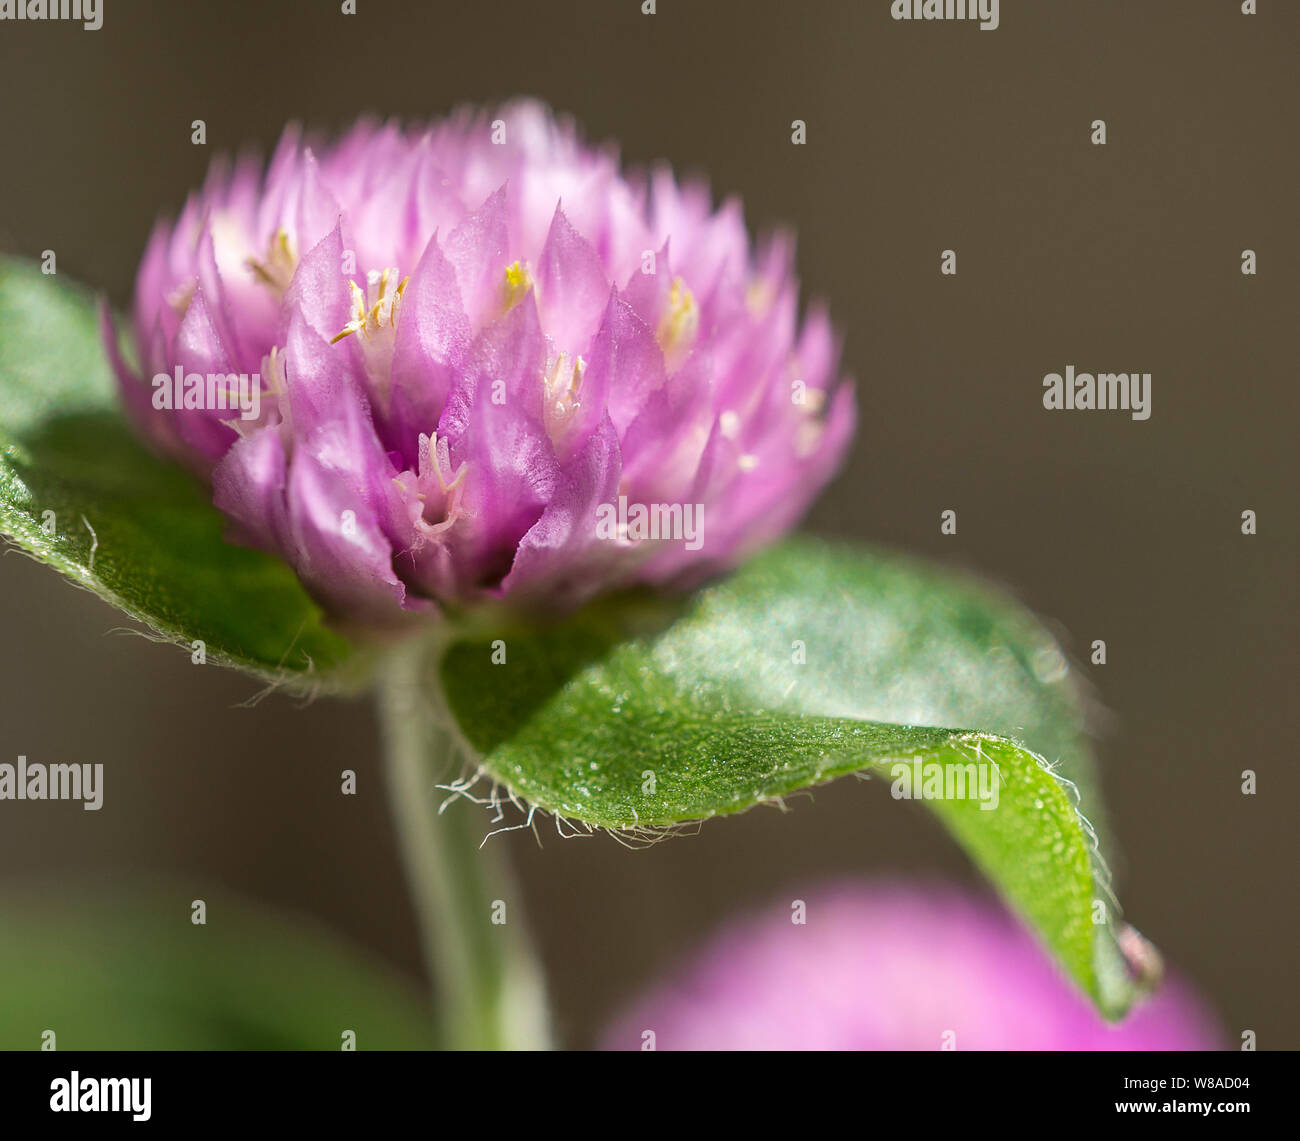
column 486, row 982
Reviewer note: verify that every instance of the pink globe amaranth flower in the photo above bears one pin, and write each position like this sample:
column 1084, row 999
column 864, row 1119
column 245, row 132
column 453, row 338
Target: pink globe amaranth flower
column 889, row 968
column 469, row 337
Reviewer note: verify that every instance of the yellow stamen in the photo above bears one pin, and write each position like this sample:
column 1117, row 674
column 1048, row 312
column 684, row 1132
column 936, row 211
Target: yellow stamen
column 680, row 323
column 518, row 282
column 180, row 298
column 759, row 295
column 381, row 313
column 359, row 321
column 275, row 271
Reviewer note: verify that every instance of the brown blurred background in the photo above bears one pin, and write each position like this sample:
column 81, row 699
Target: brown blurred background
column 921, row 137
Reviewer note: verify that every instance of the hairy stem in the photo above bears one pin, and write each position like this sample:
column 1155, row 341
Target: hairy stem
column 487, row 984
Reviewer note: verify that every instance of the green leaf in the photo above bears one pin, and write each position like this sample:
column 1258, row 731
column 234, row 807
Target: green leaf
column 134, row 973
column 139, row 532
column 629, row 717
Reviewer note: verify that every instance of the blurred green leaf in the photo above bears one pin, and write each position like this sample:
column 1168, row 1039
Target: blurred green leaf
column 134, row 973
column 139, row 532
column 811, row 663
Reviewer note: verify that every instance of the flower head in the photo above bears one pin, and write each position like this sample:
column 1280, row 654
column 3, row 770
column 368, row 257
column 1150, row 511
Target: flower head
column 892, row 969
column 475, row 361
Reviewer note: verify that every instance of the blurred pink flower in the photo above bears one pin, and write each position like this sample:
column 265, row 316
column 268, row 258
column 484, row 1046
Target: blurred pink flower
column 470, row 337
column 890, row 968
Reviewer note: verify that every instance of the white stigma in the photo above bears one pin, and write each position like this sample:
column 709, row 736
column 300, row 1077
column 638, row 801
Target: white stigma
column 374, row 321
column 562, row 392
